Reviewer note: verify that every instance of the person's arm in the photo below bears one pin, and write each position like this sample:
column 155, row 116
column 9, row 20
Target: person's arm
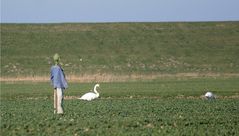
column 63, row 79
column 52, row 76
column 55, row 76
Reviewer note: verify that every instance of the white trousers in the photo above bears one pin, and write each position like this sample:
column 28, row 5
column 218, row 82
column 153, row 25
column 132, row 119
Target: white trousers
column 58, row 100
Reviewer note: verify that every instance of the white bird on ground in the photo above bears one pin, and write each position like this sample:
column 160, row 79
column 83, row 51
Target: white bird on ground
column 91, row 95
column 210, row 95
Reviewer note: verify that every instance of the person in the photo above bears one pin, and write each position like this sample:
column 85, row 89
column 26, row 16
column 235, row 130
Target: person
column 59, row 84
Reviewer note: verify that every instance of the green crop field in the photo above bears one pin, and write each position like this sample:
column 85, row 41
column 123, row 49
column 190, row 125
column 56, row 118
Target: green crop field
column 153, row 78
column 159, row 107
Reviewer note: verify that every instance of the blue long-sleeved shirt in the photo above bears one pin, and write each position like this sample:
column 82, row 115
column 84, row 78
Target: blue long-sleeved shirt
column 58, row 77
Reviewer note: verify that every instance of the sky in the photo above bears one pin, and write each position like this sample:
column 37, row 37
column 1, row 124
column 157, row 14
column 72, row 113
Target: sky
column 60, row 11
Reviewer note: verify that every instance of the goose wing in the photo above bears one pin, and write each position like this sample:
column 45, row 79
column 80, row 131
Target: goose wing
column 88, row 96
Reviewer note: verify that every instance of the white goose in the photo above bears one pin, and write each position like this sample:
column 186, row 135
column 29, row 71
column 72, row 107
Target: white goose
column 90, row 96
column 210, row 95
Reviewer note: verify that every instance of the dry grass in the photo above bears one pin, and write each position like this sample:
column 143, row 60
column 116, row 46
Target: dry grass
column 118, row 78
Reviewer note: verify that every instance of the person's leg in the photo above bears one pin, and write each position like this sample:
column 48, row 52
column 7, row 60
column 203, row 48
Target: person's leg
column 55, row 101
column 62, row 100
column 59, row 100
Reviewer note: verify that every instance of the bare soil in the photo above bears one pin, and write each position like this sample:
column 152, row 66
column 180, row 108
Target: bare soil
column 118, row 78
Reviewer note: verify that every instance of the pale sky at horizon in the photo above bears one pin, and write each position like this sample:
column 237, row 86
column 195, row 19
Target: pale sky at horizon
column 60, row 11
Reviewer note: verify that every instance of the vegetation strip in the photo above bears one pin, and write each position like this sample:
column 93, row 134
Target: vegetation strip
column 120, row 78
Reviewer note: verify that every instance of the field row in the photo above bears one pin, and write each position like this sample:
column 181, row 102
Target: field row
column 158, row 107
column 156, row 88
column 121, row 117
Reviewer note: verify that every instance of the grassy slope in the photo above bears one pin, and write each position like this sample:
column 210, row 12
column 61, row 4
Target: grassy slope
column 120, row 48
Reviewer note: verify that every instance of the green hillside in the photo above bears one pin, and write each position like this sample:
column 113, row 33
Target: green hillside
column 120, row 48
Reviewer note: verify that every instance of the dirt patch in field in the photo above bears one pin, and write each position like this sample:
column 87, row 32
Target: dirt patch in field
column 71, row 97
column 157, row 97
column 36, row 98
column 140, row 97
column 118, row 78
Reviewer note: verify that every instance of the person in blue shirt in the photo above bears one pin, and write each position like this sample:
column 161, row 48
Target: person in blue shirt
column 59, row 84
